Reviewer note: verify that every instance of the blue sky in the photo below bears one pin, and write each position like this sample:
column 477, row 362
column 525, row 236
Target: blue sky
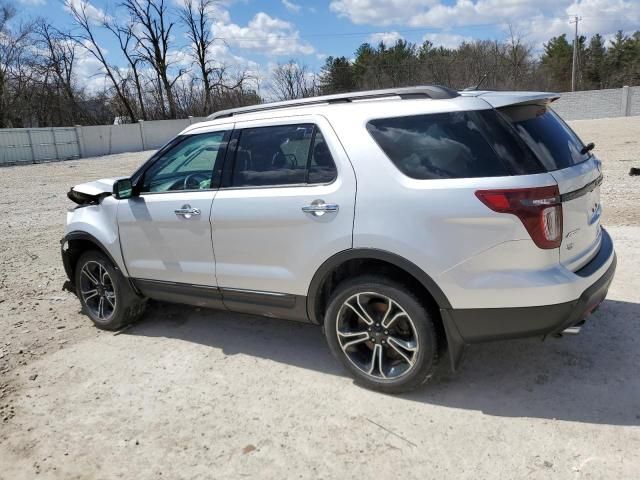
column 260, row 33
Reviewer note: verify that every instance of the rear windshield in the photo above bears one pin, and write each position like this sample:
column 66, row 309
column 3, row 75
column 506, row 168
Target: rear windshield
column 552, row 141
column 453, row 145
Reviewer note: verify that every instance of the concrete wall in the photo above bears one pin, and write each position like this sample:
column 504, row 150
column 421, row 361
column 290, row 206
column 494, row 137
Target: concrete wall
column 158, row 132
column 33, row 145
column 615, row 102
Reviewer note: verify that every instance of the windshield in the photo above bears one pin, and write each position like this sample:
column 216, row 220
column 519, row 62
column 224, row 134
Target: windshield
column 553, row 142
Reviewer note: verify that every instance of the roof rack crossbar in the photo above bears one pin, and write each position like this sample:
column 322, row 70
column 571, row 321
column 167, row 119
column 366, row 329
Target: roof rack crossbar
column 434, row 92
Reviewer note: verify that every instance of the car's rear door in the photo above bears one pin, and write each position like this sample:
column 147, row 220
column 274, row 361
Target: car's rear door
column 285, row 206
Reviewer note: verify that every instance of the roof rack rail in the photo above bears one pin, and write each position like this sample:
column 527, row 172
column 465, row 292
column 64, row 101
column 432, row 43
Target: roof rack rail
column 434, row 92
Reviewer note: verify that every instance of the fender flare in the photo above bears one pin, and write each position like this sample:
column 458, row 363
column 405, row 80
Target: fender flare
column 376, row 254
column 80, row 235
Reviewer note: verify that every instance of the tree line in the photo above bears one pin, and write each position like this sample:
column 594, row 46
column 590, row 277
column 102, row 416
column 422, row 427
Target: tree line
column 40, row 78
column 503, row 65
column 39, row 66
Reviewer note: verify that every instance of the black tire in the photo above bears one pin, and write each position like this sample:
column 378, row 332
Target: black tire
column 404, row 373
column 120, row 304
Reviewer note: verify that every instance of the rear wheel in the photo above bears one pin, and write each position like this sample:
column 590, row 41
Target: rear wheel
column 382, row 334
column 105, row 295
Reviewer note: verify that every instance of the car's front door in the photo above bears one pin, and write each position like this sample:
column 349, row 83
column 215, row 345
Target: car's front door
column 286, row 205
column 165, row 231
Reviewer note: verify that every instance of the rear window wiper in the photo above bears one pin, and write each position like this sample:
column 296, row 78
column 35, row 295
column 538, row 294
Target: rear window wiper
column 588, row 147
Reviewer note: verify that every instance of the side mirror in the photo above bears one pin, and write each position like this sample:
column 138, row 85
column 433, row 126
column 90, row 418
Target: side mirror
column 123, row 189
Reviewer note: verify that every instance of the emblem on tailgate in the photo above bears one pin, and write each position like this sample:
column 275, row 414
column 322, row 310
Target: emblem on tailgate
column 569, row 245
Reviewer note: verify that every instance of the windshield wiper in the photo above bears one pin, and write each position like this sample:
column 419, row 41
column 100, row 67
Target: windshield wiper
column 588, row 147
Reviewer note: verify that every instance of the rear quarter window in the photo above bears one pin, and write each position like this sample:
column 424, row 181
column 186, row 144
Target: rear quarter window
column 452, row 145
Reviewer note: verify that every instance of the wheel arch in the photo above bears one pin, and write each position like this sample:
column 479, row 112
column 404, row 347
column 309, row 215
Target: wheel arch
column 322, row 279
column 74, row 244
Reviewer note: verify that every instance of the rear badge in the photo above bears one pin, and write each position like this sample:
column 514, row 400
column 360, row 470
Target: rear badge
column 571, row 234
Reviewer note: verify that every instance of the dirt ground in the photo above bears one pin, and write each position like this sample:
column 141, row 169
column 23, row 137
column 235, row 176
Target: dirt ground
column 190, row 393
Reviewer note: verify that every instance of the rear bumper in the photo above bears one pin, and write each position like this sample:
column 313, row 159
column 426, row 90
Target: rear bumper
column 466, row 326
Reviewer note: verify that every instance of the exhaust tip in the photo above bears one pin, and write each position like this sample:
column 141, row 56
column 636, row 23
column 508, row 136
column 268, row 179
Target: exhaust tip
column 575, row 330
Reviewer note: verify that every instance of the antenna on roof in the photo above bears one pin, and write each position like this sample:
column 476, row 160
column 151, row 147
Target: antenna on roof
column 482, row 79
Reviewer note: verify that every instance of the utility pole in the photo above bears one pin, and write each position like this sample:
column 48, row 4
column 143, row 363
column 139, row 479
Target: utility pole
column 575, row 54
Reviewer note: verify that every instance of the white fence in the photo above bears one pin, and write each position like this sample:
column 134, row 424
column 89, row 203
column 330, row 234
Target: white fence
column 35, row 145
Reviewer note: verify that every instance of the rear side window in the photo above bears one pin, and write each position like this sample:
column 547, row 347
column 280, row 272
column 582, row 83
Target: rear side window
column 453, row 145
column 281, row 155
column 553, row 142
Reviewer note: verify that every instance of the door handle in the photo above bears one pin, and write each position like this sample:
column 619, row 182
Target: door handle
column 317, row 208
column 186, row 211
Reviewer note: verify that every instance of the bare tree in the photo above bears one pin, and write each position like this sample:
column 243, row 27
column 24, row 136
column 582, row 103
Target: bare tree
column 153, row 35
column 519, row 56
column 126, row 41
column 85, row 37
column 291, row 80
column 195, row 17
column 58, row 58
column 14, row 50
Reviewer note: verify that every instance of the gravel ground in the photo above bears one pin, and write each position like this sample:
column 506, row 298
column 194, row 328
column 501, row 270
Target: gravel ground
column 190, row 393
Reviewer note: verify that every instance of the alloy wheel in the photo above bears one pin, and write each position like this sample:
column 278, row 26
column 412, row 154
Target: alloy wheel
column 97, row 290
column 377, row 335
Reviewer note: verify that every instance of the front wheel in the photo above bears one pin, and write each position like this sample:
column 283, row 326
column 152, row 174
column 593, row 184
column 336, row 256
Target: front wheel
column 105, row 295
column 381, row 333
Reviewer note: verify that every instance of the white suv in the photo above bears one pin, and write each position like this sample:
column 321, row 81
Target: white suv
column 405, row 222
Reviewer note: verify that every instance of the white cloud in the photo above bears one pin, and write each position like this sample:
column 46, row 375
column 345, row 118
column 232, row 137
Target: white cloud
column 89, row 72
column 597, row 16
column 388, row 38
column 292, row 7
column 265, row 34
column 436, row 13
column 33, row 2
column 446, row 40
column 217, row 9
column 538, row 20
column 379, row 12
column 94, row 14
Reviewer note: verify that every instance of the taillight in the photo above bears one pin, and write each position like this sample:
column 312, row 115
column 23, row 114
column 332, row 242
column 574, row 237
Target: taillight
column 539, row 209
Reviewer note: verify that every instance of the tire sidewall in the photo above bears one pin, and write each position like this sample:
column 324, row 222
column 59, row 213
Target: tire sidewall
column 422, row 322
column 116, row 279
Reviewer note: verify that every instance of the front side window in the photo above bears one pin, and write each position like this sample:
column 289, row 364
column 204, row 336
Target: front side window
column 281, row 155
column 188, row 165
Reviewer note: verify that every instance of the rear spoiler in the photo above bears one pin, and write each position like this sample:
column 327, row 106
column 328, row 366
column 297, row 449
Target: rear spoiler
column 503, row 99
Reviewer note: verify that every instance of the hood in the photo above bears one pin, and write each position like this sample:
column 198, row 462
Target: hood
column 91, row 192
